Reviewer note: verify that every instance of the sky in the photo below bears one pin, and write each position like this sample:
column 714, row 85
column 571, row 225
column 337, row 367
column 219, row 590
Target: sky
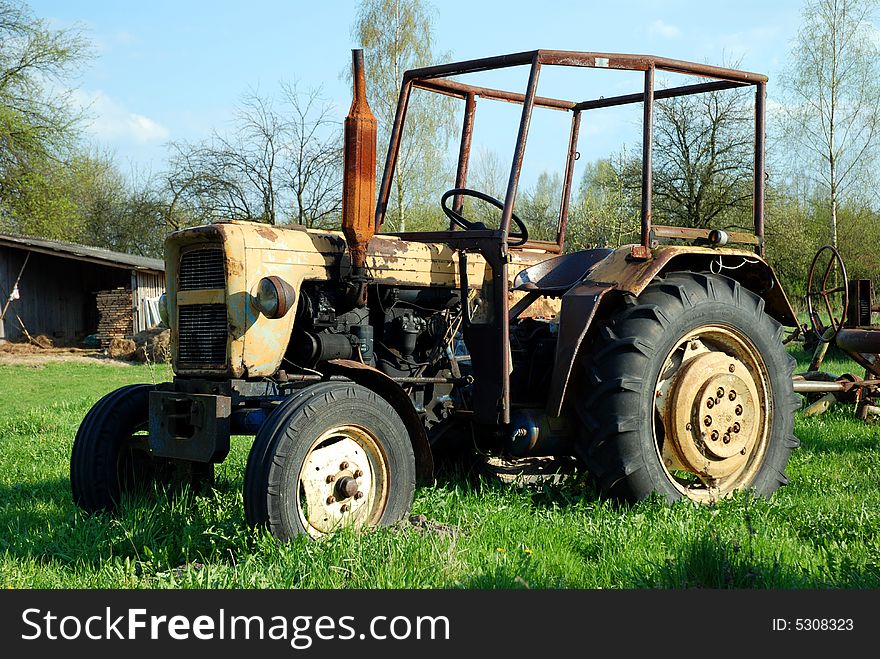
column 175, row 70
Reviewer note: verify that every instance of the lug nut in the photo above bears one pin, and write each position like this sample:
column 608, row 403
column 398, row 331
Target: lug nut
column 720, row 393
column 331, row 499
column 331, row 478
column 714, row 436
column 358, row 495
column 731, row 368
column 732, row 395
column 343, row 466
column 358, row 473
column 739, row 410
column 343, row 508
column 727, row 439
column 708, row 420
column 743, row 452
column 736, row 428
column 710, row 403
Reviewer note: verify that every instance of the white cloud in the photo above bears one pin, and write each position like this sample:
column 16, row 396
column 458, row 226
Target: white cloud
column 124, row 37
column 109, row 120
column 748, row 43
column 663, row 29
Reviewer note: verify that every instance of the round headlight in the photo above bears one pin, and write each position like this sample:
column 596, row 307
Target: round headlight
column 163, row 309
column 273, row 297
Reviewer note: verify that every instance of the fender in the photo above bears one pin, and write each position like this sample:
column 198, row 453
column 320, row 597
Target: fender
column 375, row 380
column 619, row 274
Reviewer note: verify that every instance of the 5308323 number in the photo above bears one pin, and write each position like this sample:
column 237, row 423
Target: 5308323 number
column 823, row 624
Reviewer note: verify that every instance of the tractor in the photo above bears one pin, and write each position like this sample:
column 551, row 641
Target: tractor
column 356, row 357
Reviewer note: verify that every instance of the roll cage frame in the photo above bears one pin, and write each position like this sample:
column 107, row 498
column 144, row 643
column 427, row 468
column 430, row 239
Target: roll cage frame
column 436, row 79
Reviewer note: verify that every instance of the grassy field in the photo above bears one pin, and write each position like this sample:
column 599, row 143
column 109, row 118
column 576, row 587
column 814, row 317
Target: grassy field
column 820, row 531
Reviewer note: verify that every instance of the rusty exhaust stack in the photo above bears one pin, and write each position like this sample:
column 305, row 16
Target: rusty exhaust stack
column 359, row 182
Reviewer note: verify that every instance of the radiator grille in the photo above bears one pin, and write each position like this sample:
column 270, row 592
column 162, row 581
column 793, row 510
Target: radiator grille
column 201, row 269
column 201, row 334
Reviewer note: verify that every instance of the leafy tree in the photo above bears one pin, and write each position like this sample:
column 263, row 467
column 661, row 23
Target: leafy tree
column 606, row 209
column 790, row 238
column 37, row 124
column 397, row 35
column 538, row 207
column 832, row 87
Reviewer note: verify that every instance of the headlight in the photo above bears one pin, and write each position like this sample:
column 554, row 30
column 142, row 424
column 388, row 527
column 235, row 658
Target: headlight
column 163, row 309
column 273, row 297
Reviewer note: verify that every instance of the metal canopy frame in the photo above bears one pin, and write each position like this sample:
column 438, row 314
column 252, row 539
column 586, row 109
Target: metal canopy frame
column 435, row 79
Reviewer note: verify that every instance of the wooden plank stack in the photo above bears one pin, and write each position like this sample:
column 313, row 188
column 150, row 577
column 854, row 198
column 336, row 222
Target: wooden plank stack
column 114, row 315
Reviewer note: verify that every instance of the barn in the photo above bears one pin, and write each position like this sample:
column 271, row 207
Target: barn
column 67, row 291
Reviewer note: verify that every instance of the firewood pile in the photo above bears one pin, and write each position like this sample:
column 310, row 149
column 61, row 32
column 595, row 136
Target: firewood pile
column 114, row 315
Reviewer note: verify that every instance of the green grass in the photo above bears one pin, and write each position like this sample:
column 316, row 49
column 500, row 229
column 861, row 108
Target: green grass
column 820, row 531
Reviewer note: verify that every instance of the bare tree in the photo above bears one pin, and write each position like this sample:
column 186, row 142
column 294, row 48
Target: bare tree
column 268, row 165
column 832, row 87
column 703, row 159
column 233, row 176
column 201, row 175
column 314, row 168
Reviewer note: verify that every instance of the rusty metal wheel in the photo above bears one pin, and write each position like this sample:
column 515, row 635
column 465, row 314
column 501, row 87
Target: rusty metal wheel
column 687, row 393
column 333, row 455
column 834, row 294
column 343, row 481
column 712, row 425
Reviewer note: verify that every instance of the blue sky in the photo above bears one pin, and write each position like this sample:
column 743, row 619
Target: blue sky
column 174, row 70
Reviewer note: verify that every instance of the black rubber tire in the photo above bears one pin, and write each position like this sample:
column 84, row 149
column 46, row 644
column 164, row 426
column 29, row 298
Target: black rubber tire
column 103, row 469
column 285, row 439
column 615, row 398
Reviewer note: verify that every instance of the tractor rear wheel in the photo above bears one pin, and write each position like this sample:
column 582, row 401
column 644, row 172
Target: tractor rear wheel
column 688, row 393
column 333, row 455
column 111, row 454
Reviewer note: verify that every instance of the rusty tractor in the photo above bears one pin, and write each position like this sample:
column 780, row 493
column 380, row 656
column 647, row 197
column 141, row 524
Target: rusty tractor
column 355, row 358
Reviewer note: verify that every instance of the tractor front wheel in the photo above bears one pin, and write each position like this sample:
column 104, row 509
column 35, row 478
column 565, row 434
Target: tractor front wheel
column 111, row 454
column 333, row 455
column 688, row 393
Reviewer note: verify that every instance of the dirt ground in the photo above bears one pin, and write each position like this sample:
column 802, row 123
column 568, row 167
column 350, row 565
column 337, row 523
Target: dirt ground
column 28, row 354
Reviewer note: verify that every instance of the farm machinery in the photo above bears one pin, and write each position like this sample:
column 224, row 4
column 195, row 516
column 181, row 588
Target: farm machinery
column 354, row 358
column 840, row 313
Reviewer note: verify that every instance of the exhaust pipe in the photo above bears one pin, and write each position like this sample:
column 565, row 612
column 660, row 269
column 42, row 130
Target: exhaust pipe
column 359, row 176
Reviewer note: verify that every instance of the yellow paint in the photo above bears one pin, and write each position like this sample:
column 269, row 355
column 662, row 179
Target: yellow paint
column 256, row 343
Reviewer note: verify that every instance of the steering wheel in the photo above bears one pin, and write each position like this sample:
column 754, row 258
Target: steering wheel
column 521, row 236
column 817, row 289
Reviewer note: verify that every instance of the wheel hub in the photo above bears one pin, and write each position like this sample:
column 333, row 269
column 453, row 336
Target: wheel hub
column 337, row 483
column 710, row 418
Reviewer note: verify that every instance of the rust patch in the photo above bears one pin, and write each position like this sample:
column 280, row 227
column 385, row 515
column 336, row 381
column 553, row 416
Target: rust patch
column 234, row 266
column 267, row 233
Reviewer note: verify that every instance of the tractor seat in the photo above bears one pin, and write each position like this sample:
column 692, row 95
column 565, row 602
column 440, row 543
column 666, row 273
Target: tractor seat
column 555, row 276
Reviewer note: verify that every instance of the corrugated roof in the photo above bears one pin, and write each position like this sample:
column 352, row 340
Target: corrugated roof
column 83, row 252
